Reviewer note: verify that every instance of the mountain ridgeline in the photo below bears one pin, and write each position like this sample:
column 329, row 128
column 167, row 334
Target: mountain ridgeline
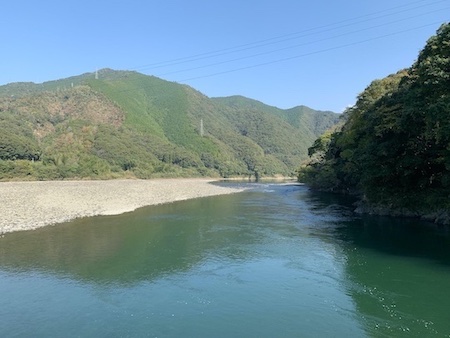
column 125, row 124
column 394, row 147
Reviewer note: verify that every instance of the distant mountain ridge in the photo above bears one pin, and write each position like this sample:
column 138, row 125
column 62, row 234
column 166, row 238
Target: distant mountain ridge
column 123, row 123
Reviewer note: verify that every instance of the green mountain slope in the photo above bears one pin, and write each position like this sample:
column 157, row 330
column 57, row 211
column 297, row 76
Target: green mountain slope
column 129, row 124
column 394, row 148
column 271, row 128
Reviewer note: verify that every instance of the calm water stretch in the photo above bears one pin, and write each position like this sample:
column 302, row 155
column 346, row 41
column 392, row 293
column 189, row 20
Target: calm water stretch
column 275, row 261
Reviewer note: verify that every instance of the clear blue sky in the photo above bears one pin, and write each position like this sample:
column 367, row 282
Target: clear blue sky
column 285, row 53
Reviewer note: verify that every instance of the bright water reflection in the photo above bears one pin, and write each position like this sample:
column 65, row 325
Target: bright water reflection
column 277, row 261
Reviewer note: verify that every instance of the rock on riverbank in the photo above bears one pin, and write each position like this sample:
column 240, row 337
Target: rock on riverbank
column 438, row 217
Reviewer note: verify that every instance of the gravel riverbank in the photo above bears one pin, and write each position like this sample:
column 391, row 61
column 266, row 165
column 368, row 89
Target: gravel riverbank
column 30, row 205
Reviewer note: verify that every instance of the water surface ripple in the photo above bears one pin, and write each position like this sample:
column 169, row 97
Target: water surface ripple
column 274, row 261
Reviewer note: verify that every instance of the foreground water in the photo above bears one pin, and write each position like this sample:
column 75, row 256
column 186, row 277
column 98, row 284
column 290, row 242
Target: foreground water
column 275, row 261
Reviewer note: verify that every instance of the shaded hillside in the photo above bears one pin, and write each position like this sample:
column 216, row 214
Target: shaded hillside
column 281, row 133
column 126, row 123
column 301, row 117
column 394, row 148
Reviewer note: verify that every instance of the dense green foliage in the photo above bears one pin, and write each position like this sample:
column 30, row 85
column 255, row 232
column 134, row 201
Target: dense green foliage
column 126, row 124
column 394, row 147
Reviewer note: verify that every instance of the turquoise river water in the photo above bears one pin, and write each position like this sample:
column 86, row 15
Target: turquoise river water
column 275, row 261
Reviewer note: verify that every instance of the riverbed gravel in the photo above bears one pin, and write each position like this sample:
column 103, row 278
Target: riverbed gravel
column 31, row 205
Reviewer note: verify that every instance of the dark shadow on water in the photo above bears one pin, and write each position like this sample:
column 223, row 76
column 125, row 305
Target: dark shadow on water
column 407, row 237
column 397, row 269
column 390, row 235
column 144, row 245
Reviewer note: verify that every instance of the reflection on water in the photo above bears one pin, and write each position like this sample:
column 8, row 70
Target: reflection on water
column 274, row 261
column 121, row 249
column 402, row 269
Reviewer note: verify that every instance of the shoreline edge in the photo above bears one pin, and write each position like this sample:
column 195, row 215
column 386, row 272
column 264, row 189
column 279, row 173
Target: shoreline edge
column 32, row 205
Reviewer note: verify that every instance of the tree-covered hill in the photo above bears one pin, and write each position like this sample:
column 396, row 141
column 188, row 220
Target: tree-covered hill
column 126, row 124
column 394, row 147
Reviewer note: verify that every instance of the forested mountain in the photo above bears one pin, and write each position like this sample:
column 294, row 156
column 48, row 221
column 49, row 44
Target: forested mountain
column 126, row 124
column 394, row 147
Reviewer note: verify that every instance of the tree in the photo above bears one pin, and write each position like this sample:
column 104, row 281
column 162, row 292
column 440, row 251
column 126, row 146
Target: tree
column 394, row 147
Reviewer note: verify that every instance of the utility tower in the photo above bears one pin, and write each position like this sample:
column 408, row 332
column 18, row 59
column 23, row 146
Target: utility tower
column 201, row 128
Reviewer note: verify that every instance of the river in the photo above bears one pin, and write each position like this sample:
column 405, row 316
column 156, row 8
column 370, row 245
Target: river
column 275, row 261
